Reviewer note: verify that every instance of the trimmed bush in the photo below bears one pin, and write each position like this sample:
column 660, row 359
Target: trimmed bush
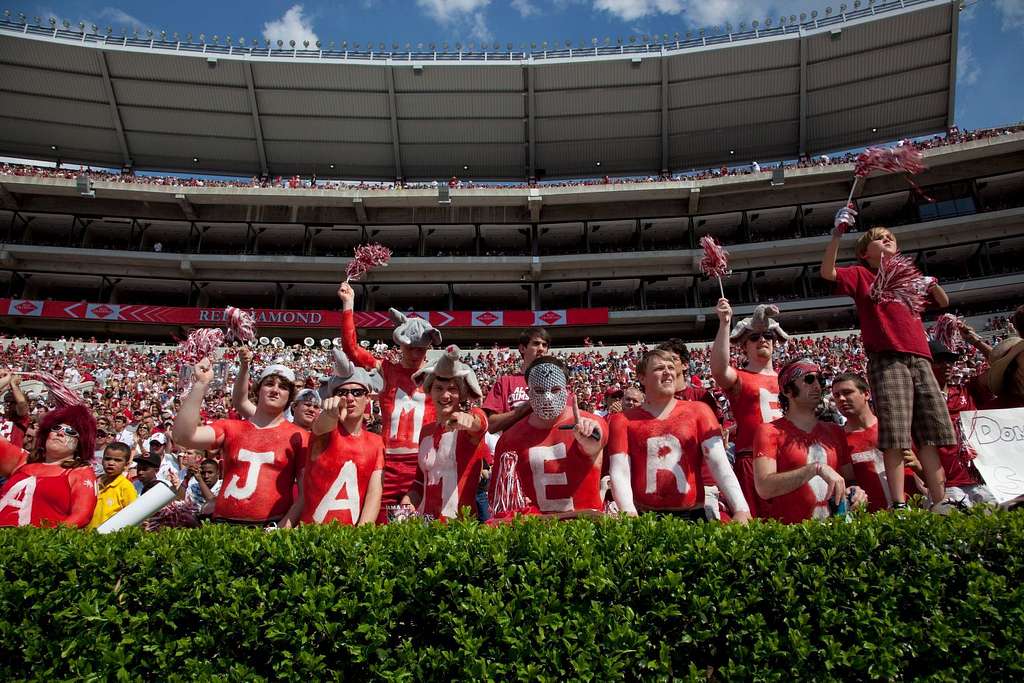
column 879, row 598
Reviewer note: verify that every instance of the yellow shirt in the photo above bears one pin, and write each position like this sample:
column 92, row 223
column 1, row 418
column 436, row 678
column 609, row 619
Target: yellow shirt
column 112, row 498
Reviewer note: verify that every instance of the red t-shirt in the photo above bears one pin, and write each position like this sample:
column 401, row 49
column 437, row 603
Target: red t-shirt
column 334, row 484
column 869, row 467
column 791, row 447
column 507, row 394
column 448, row 469
column 887, row 326
column 554, row 473
column 44, row 495
column 955, row 459
column 665, row 455
column 14, row 430
column 754, row 400
column 260, row 467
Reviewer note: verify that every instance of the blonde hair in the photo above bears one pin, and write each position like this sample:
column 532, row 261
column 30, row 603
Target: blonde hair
column 870, row 236
column 650, row 356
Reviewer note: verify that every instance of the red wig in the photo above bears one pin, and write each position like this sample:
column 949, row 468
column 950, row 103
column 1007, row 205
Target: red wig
column 78, row 417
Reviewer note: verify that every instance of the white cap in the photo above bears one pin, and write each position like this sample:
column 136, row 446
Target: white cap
column 159, row 437
column 277, row 369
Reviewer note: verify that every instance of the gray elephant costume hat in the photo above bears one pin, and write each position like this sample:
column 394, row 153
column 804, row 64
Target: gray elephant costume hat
column 449, row 366
column 347, row 372
column 761, row 321
column 413, row 331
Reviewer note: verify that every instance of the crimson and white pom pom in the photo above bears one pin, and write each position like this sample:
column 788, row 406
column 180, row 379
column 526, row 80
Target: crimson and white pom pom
column 899, row 280
column 241, row 325
column 716, row 259
column 905, row 157
column 61, row 395
column 367, row 257
column 947, row 331
column 508, row 491
column 200, row 343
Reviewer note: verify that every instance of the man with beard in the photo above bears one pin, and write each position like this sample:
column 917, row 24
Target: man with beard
column 753, row 390
column 262, row 455
column 405, row 407
column 658, row 450
column 553, row 456
column 797, row 457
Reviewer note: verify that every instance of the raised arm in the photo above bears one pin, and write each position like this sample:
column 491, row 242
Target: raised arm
column 240, row 391
column 846, row 218
column 327, row 421
column 724, row 374
column 974, row 339
column 186, row 430
column 349, row 344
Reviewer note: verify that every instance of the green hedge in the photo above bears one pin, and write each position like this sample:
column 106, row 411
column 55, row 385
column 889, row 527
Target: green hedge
column 879, row 598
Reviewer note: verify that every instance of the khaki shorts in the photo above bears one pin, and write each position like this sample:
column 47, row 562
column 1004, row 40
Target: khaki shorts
column 908, row 402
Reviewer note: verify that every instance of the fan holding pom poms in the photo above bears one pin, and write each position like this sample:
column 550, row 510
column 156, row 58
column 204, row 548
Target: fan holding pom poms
column 715, row 262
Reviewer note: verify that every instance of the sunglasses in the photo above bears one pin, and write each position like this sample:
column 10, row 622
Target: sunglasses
column 67, row 430
column 813, row 378
column 354, row 393
column 758, row 336
column 102, row 433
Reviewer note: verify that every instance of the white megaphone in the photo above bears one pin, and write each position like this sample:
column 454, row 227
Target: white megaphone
column 337, row 342
column 278, row 343
column 264, row 341
column 145, row 506
column 325, row 343
column 309, row 342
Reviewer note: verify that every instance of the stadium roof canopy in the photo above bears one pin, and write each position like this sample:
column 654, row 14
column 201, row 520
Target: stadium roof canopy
column 801, row 85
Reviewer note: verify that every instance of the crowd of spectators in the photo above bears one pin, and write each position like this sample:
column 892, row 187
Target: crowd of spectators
column 134, row 391
column 953, row 136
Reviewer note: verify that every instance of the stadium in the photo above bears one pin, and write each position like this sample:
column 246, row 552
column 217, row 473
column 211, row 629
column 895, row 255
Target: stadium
column 157, row 184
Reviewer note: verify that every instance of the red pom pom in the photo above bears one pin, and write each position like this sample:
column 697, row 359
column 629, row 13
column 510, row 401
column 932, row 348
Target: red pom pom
column 60, row 394
column 200, row 343
column 899, row 280
column 904, row 157
column 947, row 331
column 367, row 257
column 716, row 259
column 508, row 491
column 241, row 325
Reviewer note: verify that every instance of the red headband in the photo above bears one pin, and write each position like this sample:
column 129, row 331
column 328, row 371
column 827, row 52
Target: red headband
column 795, row 370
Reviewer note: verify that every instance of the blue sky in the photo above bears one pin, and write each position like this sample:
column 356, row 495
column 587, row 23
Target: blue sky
column 991, row 34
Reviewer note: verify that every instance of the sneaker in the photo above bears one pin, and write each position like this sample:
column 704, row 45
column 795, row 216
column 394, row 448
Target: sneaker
column 899, row 506
column 947, row 506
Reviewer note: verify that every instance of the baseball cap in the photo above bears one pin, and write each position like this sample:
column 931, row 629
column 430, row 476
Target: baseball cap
column 159, row 437
column 940, row 352
column 148, row 459
column 277, row 369
column 307, row 396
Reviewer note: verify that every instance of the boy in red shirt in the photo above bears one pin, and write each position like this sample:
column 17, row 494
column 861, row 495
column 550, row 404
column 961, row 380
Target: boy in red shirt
column 453, row 450
column 341, row 481
column 908, row 402
column 658, row 450
column 555, row 457
column 753, row 390
column 797, row 457
column 263, row 455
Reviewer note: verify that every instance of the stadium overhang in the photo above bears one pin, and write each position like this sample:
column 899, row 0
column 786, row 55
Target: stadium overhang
column 877, row 73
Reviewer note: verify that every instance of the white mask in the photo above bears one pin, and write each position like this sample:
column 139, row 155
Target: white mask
column 548, row 391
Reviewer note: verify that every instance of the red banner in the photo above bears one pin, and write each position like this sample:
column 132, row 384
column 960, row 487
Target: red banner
column 268, row 317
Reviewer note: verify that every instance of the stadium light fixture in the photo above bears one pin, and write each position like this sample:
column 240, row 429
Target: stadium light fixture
column 305, row 44
column 195, row 160
column 332, row 167
column 874, row 130
column 67, row 24
column 291, row 43
column 53, row 148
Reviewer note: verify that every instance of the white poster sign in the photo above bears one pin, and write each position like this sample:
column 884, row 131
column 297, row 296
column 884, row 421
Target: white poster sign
column 998, row 438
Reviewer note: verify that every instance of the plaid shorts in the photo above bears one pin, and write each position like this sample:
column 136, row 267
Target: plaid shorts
column 908, row 402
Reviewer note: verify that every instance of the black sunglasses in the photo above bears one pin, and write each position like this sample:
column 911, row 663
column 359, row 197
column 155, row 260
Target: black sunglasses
column 354, row 393
column 758, row 336
column 813, row 378
column 101, row 433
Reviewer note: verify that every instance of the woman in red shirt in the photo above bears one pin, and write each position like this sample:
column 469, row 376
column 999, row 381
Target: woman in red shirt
column 55, row 483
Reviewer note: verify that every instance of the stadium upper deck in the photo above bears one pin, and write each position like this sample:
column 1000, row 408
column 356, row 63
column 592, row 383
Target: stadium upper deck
column 880, row 71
